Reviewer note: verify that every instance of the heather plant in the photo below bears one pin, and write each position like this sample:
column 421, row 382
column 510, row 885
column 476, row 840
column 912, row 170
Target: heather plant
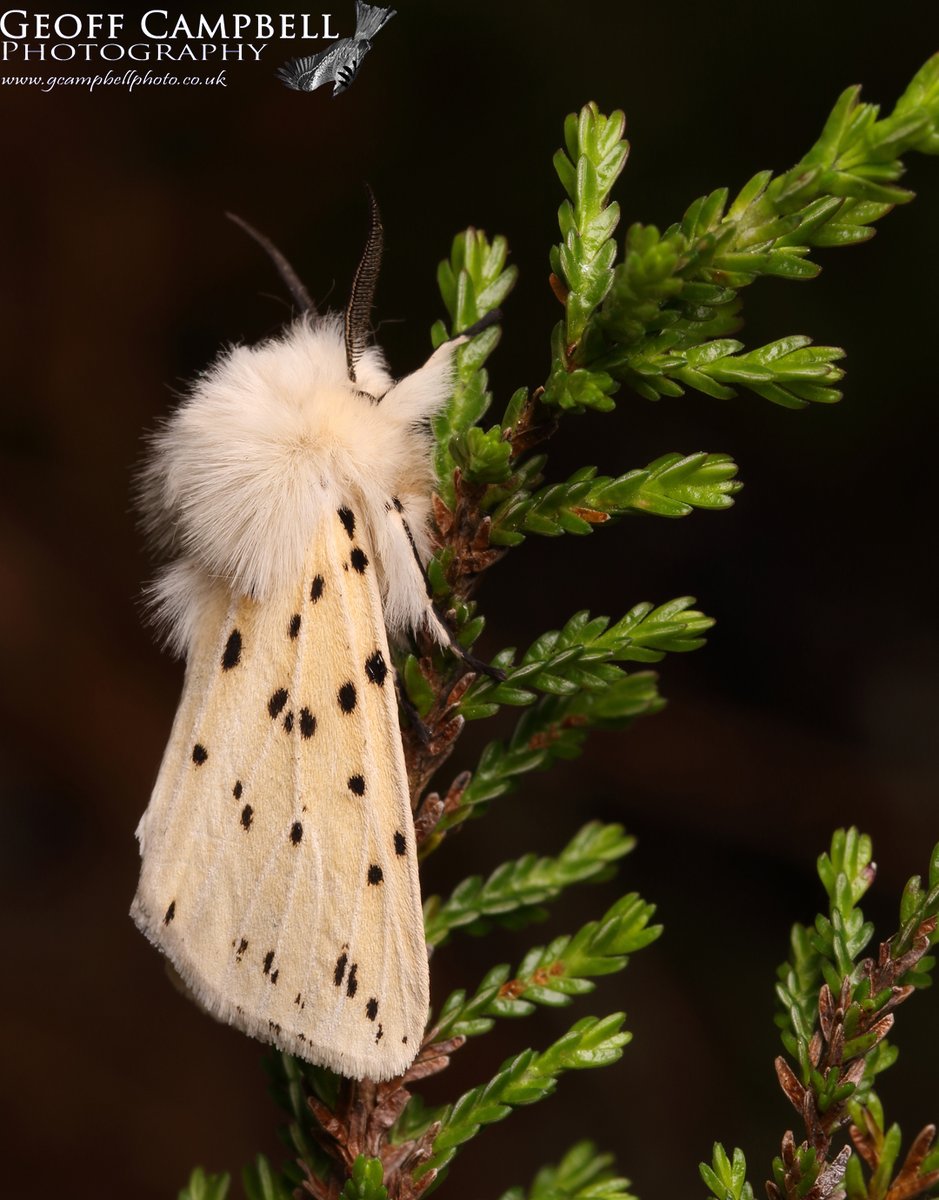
column 651, row 316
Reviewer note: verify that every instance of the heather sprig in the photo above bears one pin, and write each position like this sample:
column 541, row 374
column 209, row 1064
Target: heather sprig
column 653, row 314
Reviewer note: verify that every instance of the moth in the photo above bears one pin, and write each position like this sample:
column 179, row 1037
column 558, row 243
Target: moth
column 340, row 64
column 279, row 869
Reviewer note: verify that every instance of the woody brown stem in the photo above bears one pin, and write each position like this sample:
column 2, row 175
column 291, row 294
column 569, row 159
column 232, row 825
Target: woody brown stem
column 829, row 1059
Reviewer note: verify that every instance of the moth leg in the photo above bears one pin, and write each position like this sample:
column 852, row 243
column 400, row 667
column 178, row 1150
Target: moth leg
column 414, row 717
column 476, row 664
column 433, row 618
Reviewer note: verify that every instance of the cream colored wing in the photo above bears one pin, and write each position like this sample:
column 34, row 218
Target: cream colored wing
column 279, row 868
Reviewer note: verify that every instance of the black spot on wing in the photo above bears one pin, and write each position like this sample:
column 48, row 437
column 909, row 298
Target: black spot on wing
column 356, row 785
column 199, row 754
column 352, row 984
column 170, row 913
column 242, row 947
column 404, row 1040
column 288, row 723
column 340, row 971
column 232, row 656
column 375, row 874
column 268, row 962
column 275, row 706
column 307, row 724
column 347, row 697
column 294, row 628
column 359, row 560
column 274, row 975
column 400, row 844
column 375, row 668
column 237, row 789
column 347, row 516
column 296, row 833
column 397, row 503
column 379, row 1034
column 247, row 816
column 371, row 1009
column 316, row 588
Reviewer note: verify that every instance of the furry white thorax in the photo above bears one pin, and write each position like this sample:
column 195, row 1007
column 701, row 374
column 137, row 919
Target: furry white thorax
column 274, row 438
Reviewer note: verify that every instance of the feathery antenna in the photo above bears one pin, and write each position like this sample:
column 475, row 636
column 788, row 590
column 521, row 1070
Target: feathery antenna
column 285, row 270
column 363, row 288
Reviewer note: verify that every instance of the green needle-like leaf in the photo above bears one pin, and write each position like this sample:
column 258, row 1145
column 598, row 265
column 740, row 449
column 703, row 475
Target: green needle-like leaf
column 637, row 322
column 726, row 1179
column 671, row 486
column 202, row 1186
column 582, row 1174
column 513, row 892
column 555, row 727
column 261, row 1183
column 473, row 282
column 552, row 975
column 526, row 1079
column 582, row 655
column 366, row 1181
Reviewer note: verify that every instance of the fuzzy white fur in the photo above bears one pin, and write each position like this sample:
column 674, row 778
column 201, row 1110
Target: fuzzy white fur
column 271, row 440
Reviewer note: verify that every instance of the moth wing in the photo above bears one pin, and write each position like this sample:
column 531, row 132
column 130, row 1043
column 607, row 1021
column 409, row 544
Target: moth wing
column 279, row 868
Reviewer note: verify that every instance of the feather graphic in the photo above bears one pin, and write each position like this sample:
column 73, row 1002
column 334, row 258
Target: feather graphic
column 340, row 64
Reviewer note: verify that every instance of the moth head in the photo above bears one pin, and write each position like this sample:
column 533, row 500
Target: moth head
column 363, row 376
column 362, row 381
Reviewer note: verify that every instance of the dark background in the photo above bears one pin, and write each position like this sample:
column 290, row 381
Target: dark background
column 812, row 706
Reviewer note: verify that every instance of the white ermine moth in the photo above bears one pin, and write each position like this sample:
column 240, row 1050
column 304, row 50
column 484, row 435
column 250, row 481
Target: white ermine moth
column 279, row 868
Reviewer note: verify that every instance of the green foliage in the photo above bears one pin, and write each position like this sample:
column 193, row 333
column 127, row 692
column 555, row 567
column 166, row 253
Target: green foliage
column 526, row 1079
column 827, row 952
column 790, row 372
column 837, row 1009
column 595, row 155
column 582, row 1174
column 261, row 1183
column 472, row 283
column 292, row 1082
column 582, row 655
column 919, row 902
column 552, row 975
column 554, row 728
column 846, row 873
column 726, row 1179
column 366, row 1181
column 482, row 456
column 659, row 320
column 672, row 486
column 513, row 893
column 202, row 1186
column 872, row 1174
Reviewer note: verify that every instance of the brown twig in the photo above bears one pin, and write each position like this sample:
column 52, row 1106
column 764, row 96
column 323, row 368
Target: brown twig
column 828, row 1053
column 360, row 1124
